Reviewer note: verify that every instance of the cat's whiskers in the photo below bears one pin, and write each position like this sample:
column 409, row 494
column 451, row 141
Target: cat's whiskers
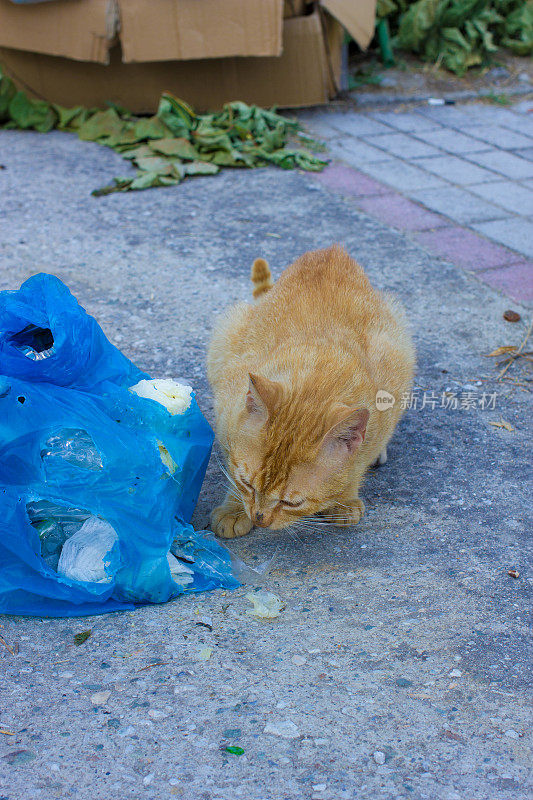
column 313, row 522
column 226, row 473
column 293, row 533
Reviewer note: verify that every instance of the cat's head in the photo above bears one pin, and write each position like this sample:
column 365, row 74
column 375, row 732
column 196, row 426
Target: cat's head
column 290, row 452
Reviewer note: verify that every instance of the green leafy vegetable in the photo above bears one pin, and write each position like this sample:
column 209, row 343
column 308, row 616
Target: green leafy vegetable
column 36, row 114
column 173, row 144
column 459, row 34
column 82, row 637
column 234, row 750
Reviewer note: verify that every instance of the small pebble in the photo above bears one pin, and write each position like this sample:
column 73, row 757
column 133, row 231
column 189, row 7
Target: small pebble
column 147, row 780
column 127, row 731
column 403, row 682
column 379, row 757
column 511, row 316
column 319, row 787
column 298, row 660
column 455, row 673
column 157, row 714
column 511, row 734
column 286, row 729
column 100, row 698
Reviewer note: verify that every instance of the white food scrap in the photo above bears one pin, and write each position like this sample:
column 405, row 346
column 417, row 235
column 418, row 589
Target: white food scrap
column 176, row 397
column 266, row 605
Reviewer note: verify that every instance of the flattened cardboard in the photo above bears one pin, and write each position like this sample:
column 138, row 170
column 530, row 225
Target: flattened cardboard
column 163, row 30
column 79, row 29
column 299, row 77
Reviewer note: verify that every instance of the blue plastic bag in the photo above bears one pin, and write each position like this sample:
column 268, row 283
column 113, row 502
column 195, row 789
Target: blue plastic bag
column 85, row 463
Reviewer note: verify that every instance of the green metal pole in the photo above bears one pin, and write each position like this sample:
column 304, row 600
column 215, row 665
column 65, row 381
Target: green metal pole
column 387, row 56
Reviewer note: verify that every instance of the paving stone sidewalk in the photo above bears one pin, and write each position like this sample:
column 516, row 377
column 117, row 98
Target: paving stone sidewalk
column 459, row 179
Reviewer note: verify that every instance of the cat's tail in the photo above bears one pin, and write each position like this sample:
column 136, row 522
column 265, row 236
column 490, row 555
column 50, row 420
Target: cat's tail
column 261, row 277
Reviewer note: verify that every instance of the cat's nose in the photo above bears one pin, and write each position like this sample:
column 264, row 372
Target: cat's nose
column 259, row 518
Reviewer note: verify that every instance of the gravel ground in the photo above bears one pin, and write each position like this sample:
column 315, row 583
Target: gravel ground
column 400, row 665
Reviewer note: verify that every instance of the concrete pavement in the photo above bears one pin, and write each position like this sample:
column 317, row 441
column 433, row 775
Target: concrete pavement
column 400, row 667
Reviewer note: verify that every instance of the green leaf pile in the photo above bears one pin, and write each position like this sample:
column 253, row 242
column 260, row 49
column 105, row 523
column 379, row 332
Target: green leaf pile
column 458, row 34
column 174, row 144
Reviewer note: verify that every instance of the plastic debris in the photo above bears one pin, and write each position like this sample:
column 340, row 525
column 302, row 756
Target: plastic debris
column 54, row 524
column 256, row 575
column 180, row 573
column 513, row 573
column 266, row 605
column 176, row 397
column 97, row 481
column 440, row 101
column 90, row 555
column 74, row 446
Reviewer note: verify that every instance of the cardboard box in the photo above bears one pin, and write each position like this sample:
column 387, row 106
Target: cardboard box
column 163, row 30
column 294, row 8
column 158, row 30
column 79, row 29
column 306, row 73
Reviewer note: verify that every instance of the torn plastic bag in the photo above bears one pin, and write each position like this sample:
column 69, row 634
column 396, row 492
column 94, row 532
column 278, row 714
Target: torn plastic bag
column 96, row 481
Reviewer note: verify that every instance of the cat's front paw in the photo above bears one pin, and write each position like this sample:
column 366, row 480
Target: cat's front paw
column 344, row 514
column 230, row 522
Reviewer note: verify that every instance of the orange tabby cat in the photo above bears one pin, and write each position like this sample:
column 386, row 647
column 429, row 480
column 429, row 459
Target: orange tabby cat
column 295, row 379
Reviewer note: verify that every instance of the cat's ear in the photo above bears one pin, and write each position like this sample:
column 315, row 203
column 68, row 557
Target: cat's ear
column 347, row 431
column 263, row 396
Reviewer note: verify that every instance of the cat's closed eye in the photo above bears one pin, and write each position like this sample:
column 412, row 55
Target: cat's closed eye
column 292, row 505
